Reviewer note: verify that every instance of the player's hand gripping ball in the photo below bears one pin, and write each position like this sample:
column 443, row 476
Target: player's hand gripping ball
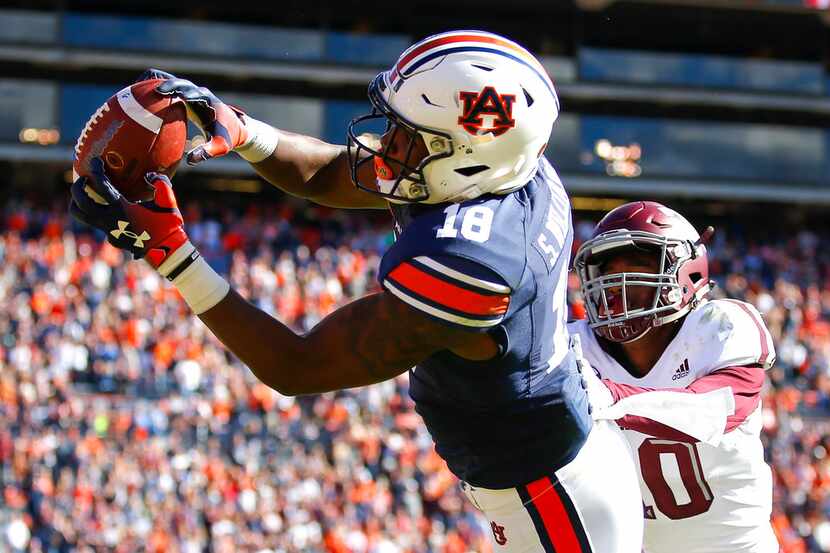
column 137, row 131
column 151, row 229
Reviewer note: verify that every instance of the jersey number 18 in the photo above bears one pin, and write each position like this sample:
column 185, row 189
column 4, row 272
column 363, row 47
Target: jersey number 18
column 475, row 223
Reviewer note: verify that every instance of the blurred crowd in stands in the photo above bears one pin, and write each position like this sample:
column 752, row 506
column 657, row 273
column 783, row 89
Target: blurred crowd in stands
column 125, row 426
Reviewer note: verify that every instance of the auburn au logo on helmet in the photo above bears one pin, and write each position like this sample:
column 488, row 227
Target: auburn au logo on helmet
column 449, row 90
column 487, row 102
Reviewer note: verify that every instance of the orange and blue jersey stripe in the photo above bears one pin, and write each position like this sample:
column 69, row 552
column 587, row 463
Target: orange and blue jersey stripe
column 448, row 294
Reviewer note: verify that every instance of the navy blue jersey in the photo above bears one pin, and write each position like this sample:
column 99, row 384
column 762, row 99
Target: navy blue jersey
column 496, row 264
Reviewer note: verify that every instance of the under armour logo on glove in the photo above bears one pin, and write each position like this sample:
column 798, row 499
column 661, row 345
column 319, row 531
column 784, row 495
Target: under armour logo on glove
column 151, row 230
column 122, row 229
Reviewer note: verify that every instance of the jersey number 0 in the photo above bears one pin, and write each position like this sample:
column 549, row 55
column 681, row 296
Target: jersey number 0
column 651, row 454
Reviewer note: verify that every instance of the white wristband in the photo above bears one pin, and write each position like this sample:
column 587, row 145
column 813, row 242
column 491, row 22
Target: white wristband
column 261, row 143
column 200, row 286
column 175, row 258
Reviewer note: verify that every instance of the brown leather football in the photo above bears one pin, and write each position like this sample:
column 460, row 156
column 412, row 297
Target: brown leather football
column 136, row 131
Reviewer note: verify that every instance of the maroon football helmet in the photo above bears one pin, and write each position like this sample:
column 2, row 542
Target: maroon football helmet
column 680, row 283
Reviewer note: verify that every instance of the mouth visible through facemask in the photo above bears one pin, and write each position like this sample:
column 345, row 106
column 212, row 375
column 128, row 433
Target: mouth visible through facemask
column 389, row 183
column 382, row 170
column 384, row 176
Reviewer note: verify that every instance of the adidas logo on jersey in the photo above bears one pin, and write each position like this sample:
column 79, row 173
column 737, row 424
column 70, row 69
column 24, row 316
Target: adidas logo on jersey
column 682, row 371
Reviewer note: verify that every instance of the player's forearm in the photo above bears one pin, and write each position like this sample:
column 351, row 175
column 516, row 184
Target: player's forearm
column 300, row 165
column 257, row 339
column 294, row 364
column 310, row 168
column 295, row 162
column 746, row 384
column 368, row 340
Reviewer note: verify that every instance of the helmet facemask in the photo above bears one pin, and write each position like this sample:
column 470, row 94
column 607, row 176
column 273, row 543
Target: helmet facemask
column 614, row 305
column 396, row 179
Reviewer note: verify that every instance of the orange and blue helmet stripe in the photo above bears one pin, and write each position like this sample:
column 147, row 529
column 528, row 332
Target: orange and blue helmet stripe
column 465, row 41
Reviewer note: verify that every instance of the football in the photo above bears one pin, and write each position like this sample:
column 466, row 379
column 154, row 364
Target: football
column 137, row 130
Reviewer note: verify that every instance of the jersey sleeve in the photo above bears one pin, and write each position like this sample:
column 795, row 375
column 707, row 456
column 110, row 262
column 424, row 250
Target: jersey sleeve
column 728, row 333
column 750, row 341
column 452, row 289
column 463, row 264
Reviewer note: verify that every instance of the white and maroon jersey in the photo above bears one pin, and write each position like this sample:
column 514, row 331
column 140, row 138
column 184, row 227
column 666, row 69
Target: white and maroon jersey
column 700, row 498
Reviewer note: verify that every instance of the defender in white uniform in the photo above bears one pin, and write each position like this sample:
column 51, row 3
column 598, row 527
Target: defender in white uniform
column 644, row 275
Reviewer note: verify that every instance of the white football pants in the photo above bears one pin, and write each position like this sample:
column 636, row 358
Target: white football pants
column 591, row 505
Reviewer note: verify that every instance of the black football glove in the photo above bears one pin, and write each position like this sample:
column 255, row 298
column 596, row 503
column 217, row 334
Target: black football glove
column 151, row 229
column 222, row 124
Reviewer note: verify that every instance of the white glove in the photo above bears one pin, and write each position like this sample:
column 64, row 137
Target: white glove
column 599, row 396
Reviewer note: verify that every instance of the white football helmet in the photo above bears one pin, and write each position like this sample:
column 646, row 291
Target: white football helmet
column 483, row 106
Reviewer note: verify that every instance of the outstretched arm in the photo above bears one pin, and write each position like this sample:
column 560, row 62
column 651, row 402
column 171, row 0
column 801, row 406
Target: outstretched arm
column 366, row 341
column 369, row 340
column 310, row 168
column 299, row 165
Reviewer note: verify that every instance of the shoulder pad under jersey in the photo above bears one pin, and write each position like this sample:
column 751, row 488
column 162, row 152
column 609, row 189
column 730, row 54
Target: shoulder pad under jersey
column 729, row 333
column 460, row 263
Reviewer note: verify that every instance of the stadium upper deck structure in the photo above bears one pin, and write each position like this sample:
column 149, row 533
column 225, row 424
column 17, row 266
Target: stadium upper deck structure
column 683, row 100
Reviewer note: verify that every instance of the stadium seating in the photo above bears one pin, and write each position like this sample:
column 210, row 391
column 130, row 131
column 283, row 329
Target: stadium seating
column 124, row 422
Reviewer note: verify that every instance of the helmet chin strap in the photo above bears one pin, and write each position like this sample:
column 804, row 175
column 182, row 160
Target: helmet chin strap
column 385, row 180
column 699, row 295
column 386, row 186
column 647, row 330
column 468, row 193
column 660, row 321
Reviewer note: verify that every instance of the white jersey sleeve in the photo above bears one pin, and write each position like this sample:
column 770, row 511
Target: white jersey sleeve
column 728, row 333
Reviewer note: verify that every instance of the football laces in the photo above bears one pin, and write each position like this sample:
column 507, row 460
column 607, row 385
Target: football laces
column 88, row 127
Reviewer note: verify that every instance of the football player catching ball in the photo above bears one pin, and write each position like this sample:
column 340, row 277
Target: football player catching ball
column 473, row 290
